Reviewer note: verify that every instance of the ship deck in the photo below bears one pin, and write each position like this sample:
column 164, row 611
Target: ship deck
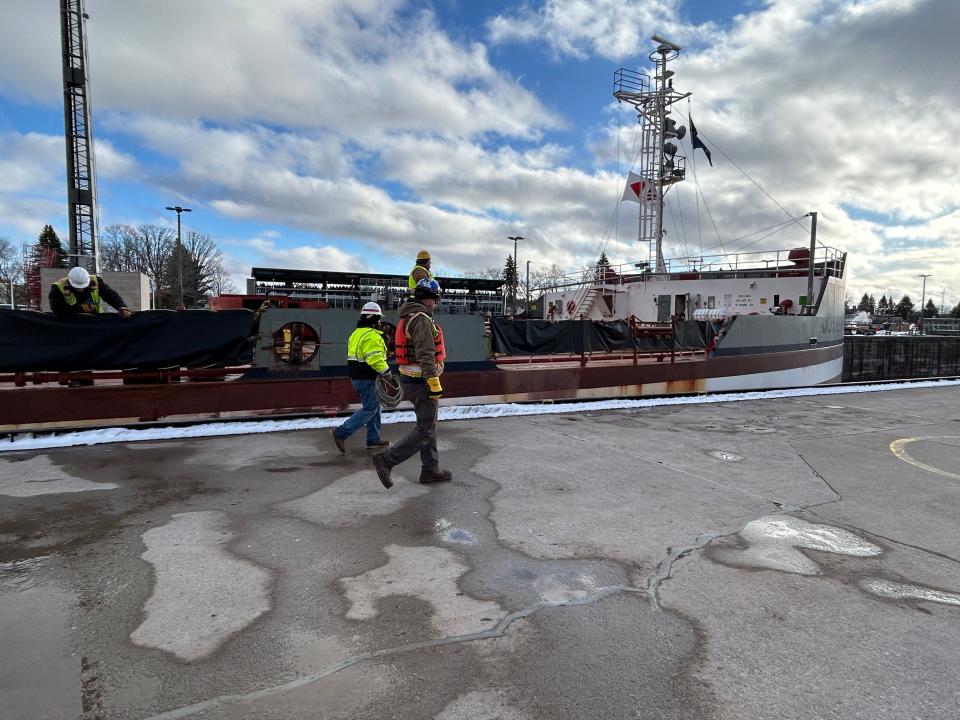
column 776, row 558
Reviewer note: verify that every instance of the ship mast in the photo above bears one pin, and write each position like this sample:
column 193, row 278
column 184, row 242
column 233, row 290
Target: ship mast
column 659, row 164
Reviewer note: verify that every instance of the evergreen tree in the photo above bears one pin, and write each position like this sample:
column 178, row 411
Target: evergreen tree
column 904, row 309
column 929, row 310
column 873, row 306
column 510, row 276
column 882, row 308
column 956, row 311
column 864, row 303
column 48, row 238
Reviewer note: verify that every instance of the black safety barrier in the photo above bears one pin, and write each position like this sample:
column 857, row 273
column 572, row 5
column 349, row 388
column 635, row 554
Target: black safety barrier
column 153, row 339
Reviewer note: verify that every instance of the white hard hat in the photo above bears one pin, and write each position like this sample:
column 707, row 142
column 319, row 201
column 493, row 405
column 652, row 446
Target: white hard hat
column 371, row 308
column 78, row 278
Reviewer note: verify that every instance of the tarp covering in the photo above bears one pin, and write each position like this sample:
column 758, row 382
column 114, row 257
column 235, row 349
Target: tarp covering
column 542, row 337
column 153, row 339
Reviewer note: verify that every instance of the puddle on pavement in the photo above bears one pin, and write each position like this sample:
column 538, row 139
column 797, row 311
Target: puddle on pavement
column 446, row 532
column 775, row 543
column 907, row 591
column 43, row 679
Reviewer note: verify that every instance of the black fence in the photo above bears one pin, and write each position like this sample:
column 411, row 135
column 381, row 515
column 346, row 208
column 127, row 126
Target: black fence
column 893, row 357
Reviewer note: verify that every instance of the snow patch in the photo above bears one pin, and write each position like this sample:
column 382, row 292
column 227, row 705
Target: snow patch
column 774, row 543
column 28, row 441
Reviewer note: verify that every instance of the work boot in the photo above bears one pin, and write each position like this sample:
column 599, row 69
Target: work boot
column 378, row 444
column 338, row 441
column 383, row 470
column 435, row 475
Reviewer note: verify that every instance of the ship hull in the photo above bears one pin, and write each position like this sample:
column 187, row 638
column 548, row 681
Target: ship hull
column 537, row 380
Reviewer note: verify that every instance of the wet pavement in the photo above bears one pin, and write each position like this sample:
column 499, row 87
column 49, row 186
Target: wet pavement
column 789, row 558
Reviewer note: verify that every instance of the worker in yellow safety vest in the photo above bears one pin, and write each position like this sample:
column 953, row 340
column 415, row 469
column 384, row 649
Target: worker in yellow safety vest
column 421, row 270
column 81, row 293
column 366, row 360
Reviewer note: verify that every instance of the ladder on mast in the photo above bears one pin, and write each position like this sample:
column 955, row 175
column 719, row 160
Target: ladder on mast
column 84, row 248
column 659, row 164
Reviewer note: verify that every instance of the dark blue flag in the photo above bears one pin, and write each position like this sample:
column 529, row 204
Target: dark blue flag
column 697, row 142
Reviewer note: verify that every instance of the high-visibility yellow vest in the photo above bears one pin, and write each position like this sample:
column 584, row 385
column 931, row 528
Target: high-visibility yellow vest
column 366, row 345
column 70, row 296
column 411, row 283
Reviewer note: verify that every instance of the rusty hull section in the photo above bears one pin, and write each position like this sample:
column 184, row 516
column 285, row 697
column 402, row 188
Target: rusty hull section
column 60, row 407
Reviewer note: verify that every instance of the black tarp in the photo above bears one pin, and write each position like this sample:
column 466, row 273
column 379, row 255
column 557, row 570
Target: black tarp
column 32, row 341
column 541, row 337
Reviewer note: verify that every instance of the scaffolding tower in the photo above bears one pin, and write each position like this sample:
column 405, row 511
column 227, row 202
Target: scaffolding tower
column 81, row 192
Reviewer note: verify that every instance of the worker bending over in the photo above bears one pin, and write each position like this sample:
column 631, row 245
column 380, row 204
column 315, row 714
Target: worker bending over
column 81, row 293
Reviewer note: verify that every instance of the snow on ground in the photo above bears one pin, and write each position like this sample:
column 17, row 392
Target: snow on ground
column 28, row 441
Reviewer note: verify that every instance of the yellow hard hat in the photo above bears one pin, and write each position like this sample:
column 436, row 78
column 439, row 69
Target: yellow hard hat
column 423, row 255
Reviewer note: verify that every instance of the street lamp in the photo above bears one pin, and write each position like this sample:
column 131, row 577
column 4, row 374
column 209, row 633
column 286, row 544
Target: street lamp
column 516, row 271
column 923, row 295
column 177, row 209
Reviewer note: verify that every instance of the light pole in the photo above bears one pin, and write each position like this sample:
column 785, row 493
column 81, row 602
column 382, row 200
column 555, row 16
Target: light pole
column 516, row 272
column 923, row 295
column 528, row 290
column 177, row 209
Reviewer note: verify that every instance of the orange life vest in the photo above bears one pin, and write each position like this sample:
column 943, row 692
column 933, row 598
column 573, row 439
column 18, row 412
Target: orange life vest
column 406, row 359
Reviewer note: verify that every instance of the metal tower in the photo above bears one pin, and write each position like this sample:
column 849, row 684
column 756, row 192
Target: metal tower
column 659, row 164
column 81, row 192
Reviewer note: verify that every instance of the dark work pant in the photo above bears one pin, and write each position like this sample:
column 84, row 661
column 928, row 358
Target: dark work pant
column 423, row 436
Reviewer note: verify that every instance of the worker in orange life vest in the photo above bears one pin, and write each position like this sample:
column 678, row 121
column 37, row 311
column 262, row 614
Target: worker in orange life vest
column 420, row 354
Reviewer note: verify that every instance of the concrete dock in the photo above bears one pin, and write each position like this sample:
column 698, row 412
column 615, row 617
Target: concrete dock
column 788, row 558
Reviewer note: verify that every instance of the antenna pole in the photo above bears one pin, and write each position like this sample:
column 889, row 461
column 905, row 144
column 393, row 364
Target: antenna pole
column 813, row 249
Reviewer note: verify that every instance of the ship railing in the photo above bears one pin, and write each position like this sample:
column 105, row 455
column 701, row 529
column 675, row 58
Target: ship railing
column 827, row 262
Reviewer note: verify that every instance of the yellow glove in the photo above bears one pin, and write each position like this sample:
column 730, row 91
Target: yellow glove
column 435, row 390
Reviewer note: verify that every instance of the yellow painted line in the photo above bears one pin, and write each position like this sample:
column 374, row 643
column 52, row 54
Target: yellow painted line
column 897, row 448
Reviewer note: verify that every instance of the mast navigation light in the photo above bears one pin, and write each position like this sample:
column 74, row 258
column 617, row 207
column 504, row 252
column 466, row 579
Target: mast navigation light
column 673, row 46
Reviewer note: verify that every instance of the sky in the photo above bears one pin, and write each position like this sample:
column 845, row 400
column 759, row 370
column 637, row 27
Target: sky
column 348, row 134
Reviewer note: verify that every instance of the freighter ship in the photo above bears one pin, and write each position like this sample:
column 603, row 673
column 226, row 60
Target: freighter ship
column 663, row 326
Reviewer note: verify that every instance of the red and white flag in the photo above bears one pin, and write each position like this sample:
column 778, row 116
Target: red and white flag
column 639, row 190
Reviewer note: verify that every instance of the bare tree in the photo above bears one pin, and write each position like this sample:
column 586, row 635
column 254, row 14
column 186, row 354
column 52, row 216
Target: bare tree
column 204, row 255
column 154, row 245
column 120, row 250
column 547, row 278
column 492, row 273
column 220, row 281
column 10, row 268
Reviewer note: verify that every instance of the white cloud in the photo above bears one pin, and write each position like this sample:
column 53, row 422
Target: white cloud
column 612, row 29
column 366, row 122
